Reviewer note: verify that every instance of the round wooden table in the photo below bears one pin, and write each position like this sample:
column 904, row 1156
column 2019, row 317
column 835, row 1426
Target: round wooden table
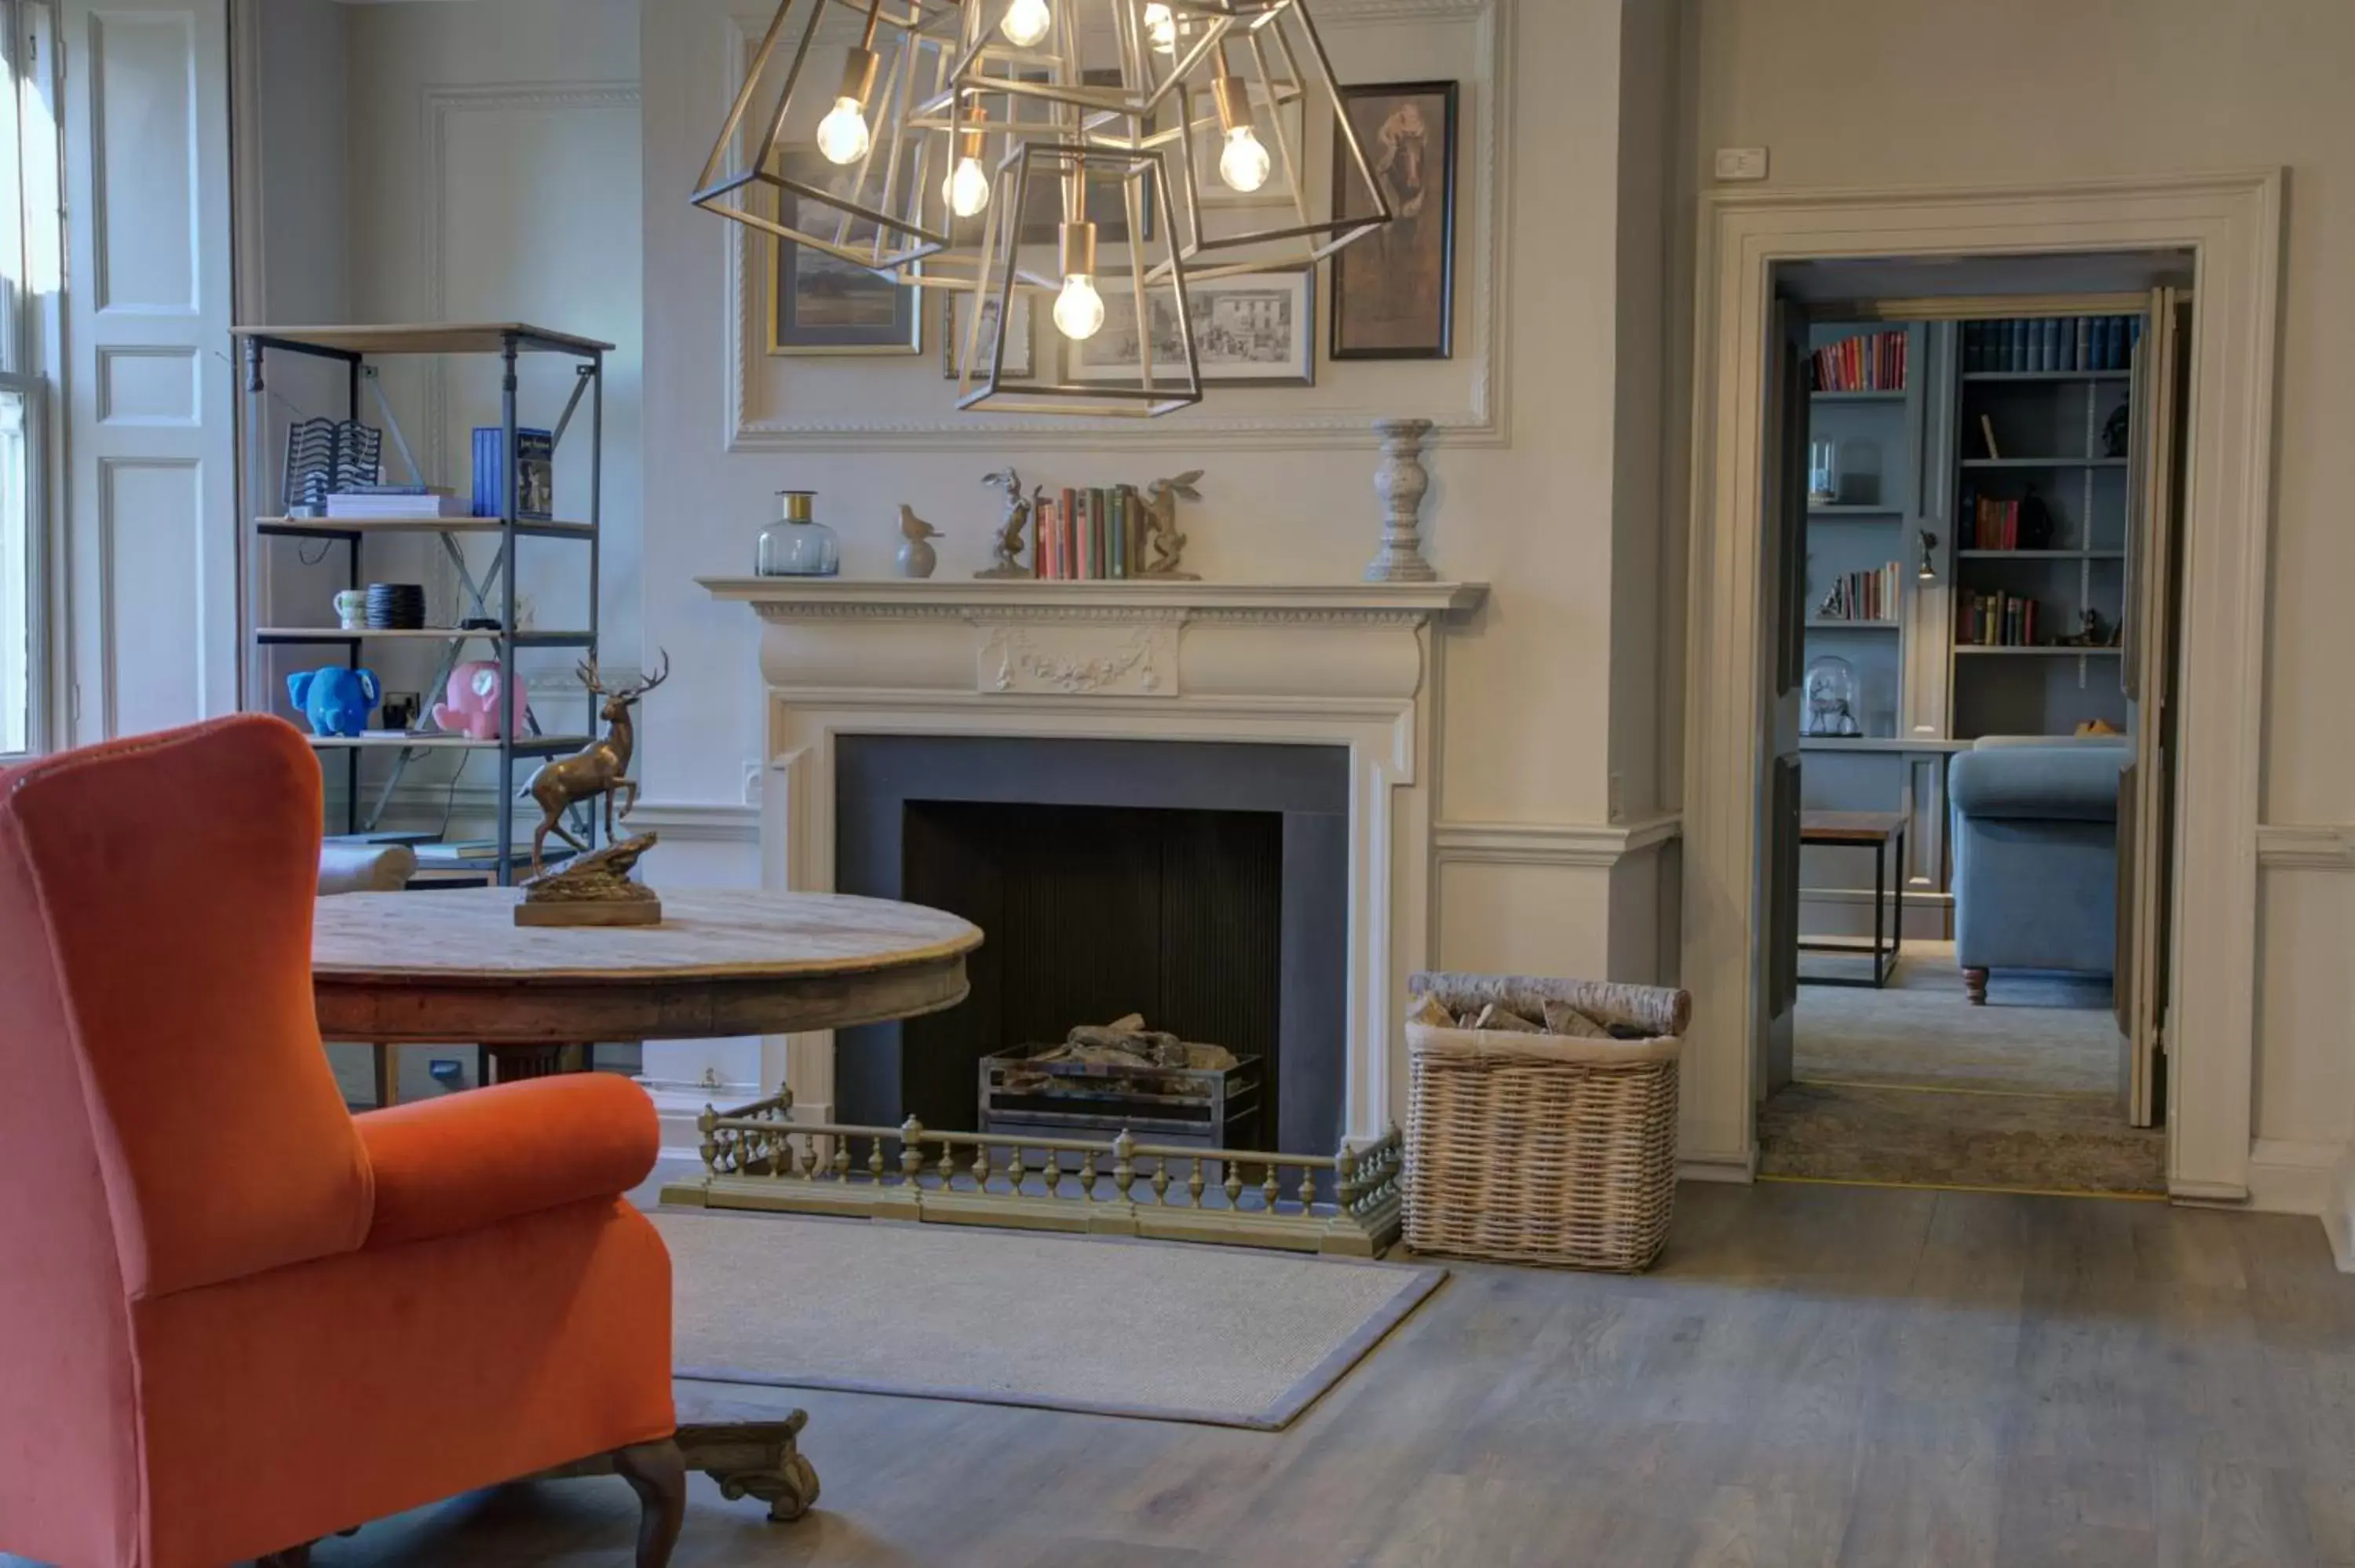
column 394, row 969
column 453, row 968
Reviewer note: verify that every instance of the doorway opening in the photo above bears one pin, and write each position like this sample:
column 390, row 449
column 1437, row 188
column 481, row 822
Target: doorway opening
column 1972, row 495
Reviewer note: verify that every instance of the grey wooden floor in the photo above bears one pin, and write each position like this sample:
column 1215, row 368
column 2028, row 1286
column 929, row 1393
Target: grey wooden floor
column 1815, row 1375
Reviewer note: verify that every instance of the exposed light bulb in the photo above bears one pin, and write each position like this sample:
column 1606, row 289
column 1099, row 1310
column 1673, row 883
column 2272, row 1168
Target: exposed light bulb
column 842, row 135
column 1026, row 22
column 1079, row 309
column 967, row 190
column 1161, row 28
column 1244, row 165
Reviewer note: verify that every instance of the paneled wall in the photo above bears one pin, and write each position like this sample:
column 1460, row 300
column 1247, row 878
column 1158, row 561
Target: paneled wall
column 152, row 540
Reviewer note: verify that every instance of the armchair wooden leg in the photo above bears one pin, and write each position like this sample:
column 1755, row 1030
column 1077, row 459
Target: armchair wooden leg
column 1975, row 983
column 657, row 1473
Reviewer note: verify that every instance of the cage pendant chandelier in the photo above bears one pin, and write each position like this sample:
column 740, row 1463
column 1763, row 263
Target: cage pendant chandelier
column 1159, row 139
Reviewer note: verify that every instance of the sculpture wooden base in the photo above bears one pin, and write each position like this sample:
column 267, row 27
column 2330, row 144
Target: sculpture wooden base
column 590, row 912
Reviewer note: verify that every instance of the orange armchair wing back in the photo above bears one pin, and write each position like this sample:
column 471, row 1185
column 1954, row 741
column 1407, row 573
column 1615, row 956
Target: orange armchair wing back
column 233, row 1319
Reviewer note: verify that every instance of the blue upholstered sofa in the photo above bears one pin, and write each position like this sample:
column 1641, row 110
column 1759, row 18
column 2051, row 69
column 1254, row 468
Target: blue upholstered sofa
column 2036, row 856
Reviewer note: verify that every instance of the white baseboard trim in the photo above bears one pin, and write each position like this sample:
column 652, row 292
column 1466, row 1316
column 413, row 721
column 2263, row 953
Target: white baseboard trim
column 2287, row 1177
column 1741, row 1171
column 677, row 1107
column 2291, row 1178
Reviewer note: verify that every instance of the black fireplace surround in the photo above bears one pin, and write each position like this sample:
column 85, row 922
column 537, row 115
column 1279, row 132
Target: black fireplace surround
column 1204, row 884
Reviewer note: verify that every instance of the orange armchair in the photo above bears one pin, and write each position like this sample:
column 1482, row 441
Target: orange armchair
column 233, row 1318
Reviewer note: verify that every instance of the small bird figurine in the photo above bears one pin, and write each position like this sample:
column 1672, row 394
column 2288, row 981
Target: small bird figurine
column 917, row 556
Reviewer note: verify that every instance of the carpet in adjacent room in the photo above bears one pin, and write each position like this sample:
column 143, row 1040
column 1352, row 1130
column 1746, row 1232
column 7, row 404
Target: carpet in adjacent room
column 1913, row 1086
column 1164, row 1331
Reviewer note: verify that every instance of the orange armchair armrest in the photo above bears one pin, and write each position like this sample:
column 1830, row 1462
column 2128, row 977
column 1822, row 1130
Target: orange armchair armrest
column 472, row 1159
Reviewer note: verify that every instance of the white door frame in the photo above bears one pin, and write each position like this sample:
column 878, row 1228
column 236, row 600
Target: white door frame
column 2232, row 222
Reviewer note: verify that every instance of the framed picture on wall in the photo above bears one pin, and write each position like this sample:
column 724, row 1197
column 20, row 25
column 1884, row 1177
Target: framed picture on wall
column 1394, row 291
column 956, row 313
column 821, row 305
column 1251, row 329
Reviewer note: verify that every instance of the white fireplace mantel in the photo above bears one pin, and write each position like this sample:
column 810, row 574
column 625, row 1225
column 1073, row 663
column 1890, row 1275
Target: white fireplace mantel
column 1348, row 664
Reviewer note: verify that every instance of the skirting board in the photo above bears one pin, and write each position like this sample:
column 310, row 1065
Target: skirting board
column 2317, row 1179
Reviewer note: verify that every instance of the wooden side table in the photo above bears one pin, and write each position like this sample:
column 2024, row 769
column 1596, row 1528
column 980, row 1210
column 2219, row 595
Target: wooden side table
column 1884, row 833
column 452, row 968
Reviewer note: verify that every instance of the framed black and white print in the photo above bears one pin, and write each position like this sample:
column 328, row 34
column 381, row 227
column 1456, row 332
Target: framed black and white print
column 821, row 305
column 956, row 313
column 1394, row 290
column 1252, row 329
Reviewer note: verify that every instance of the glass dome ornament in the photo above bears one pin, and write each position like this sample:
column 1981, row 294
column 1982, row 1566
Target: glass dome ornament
column 1832, row 697
column 797, row 544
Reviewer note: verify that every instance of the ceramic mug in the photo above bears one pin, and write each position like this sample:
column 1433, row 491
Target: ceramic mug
column 351, row 609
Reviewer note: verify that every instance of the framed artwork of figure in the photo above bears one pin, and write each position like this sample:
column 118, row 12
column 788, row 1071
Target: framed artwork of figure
column 1394, row 291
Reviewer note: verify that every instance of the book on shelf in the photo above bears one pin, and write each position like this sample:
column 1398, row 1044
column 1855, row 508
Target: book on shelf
column 1866, row 596
column 1988, row 523
column 405, row 502
column 1997, row 619
column 534, row 473
column 1986, row 434
column 2050, row 344
column 1872, row 362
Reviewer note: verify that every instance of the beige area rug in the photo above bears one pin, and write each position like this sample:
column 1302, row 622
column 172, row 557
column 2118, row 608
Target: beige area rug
column 1163, row 1332
column 1913, row 1086
column 2037, row 1034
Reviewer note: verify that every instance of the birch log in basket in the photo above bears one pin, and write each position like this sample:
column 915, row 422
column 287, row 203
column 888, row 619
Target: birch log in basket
column 1525, row 1146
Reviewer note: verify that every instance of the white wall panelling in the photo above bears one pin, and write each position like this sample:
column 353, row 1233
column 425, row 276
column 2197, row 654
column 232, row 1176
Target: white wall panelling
column 152, row 557
column 795, row 405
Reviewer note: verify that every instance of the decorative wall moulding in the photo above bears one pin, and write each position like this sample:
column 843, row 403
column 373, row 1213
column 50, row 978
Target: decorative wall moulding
column 1472, row 412
column 1597, row 846
column 2325, row 846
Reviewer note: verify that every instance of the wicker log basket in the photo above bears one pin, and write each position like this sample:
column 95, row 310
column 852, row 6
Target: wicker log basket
column 1542, row 1148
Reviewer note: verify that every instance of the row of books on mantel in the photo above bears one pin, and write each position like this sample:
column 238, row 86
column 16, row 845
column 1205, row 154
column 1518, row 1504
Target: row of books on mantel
column 1862, row 596
column 1090, row 535
column 1997, row 621
column 1873, row 362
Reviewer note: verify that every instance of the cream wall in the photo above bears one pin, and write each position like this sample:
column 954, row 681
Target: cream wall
column 1861, row 91
column 1550, row 494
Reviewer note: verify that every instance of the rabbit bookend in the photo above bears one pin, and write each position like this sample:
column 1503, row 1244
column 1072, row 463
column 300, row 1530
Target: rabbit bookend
column 335, row 700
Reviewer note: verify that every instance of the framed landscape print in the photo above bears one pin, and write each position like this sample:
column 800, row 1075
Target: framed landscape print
column 821, row 305
column 1252, row 329
column 1394, row 291
column 957, row 310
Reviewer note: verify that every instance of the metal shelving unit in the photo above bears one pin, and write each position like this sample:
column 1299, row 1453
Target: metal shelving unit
column 354, row 347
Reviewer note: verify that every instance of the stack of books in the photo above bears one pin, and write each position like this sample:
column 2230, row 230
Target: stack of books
column 1862, row 596
column 1998, row 620
column 1873, row 363
column 2050, row 343
column 1090, row 535
column 395, row 501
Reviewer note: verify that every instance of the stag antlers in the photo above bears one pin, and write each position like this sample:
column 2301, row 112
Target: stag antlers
column 587, row 671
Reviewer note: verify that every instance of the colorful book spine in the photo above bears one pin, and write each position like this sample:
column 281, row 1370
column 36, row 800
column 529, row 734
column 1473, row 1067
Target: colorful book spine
column 1099, row 563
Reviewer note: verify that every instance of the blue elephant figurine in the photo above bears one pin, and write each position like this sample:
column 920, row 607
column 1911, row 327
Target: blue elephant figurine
column 335, row 700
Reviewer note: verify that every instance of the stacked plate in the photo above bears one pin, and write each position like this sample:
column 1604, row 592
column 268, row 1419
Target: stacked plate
column 395, row 607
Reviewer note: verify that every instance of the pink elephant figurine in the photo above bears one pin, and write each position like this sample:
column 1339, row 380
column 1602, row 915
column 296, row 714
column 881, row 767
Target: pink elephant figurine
column 473, row 705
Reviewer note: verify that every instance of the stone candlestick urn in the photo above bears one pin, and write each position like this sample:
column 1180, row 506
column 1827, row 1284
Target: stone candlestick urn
column 1401, row 482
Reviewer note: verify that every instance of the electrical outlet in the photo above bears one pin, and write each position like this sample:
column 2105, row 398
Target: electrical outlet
column 1741, row 162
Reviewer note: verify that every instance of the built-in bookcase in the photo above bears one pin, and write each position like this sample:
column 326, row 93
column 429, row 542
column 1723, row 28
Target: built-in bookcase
column 1858, row 524
column 1911, row 462
column 2042, row 428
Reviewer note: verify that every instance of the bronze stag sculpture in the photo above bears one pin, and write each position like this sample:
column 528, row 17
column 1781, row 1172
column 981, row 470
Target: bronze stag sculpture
column 600, row 767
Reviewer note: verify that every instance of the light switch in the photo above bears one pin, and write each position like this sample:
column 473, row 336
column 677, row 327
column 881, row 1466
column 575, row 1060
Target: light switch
column 1741, row 162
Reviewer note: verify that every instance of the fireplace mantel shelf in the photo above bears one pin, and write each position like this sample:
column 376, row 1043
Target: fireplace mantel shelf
column 974, row 597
